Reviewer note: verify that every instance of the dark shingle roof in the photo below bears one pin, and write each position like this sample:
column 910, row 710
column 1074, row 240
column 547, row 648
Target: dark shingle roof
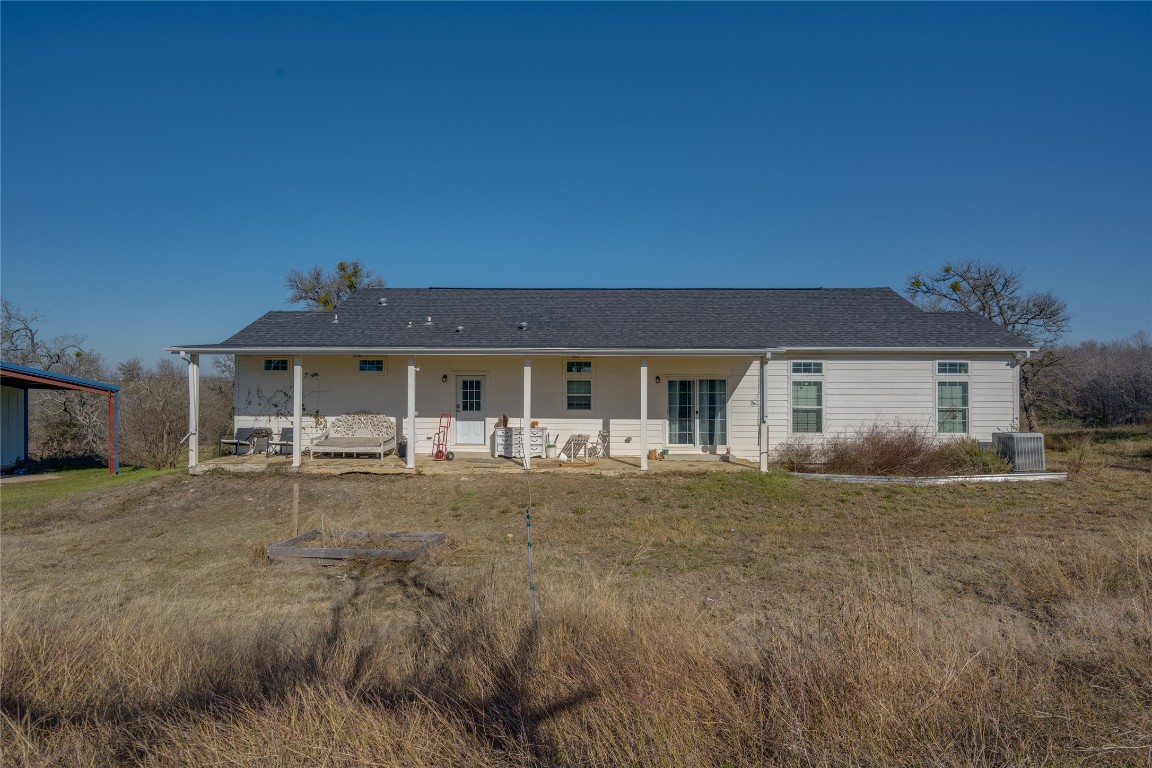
column 652, row 319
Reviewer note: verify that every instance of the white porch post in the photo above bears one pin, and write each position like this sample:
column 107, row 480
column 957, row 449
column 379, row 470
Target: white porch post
column 643, row 414
column 410, row 432
column 193, row 410
column 297, row 408
column 527, row 442
column 764, row 411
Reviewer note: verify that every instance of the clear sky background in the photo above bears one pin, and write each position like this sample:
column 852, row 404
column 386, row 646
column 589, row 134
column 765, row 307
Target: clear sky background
column 165, row 164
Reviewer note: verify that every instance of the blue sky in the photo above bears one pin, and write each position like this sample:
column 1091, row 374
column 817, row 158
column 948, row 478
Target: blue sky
column 163, row 165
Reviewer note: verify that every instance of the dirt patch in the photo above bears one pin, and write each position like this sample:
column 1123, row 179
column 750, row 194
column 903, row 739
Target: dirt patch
column 325, row 546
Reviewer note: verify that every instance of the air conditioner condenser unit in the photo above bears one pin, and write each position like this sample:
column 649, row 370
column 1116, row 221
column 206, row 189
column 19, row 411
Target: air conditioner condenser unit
column 1024, row 449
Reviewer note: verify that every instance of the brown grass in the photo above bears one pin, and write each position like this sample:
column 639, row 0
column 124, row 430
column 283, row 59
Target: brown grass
column 1086, row 452
column 704, row 620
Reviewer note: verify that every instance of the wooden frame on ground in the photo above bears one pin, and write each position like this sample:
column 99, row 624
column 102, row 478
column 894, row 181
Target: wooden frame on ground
column 296, row 547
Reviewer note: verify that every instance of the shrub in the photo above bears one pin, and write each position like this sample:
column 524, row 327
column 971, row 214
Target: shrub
column 893, row 451
column 981, row 459
column 884, row 450
column 798, row 455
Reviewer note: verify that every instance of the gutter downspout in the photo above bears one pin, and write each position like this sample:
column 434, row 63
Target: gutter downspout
column 764, row 411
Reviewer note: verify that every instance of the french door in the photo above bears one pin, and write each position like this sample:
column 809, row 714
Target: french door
column 698, row 412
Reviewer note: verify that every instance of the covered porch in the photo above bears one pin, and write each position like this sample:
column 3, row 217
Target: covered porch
column 700, row 405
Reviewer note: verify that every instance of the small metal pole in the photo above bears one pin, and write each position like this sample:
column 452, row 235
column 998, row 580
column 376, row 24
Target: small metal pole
column 531, row 581
column 295, row 509
column 528, row 525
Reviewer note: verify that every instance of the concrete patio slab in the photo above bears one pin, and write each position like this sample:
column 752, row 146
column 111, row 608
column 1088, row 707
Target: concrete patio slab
column 467, row 463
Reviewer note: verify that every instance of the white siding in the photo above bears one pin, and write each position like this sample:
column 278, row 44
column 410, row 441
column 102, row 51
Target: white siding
column 994, row 397
column 859, row 390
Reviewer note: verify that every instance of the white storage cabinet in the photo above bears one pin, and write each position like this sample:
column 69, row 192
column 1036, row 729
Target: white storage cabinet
column 509, row 442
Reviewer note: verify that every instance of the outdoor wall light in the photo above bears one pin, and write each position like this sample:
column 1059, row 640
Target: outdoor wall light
column 657, row 379
column 444, row 378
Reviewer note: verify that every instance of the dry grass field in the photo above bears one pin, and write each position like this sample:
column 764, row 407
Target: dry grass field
column 724, row 619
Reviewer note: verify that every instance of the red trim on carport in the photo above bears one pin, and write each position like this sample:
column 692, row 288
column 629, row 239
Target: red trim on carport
column 24, row 378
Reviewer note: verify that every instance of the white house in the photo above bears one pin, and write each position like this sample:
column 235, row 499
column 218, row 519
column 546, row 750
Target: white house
column 734, row 371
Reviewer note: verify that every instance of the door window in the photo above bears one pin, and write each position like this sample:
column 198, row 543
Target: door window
column 713, row 413
column 681, row 418
column 470, row 396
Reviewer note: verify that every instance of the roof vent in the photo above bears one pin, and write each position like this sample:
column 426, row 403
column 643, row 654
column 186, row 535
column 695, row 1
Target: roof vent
column 409, row 323
column 523, row 326
column 383, row 301
column 335, row 318
column 459, row 328
column 428, row 322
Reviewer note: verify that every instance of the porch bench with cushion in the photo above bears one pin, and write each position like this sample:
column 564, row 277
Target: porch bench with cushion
column 356, row 433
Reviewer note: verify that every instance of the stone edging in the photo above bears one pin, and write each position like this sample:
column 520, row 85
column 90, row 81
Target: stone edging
column 1015, row 477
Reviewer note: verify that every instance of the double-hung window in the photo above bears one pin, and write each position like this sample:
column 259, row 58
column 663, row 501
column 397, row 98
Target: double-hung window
column 578, row 385
column 952, row 397
column 807, row 396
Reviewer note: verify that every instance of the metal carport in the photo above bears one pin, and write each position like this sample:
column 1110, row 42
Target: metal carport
column 19, row 377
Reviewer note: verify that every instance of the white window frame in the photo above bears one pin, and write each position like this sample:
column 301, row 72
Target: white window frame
column 943, row 377
column 265, row 369
column 817, row 367
column 383, row 365
column 941, row 363
column 800, row 376
column 579, row 376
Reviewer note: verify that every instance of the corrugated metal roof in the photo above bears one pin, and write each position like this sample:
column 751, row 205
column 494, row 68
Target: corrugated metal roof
column 37, row 378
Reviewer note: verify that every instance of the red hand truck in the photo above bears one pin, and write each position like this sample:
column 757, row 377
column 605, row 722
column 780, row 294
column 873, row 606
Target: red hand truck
column 440, row 450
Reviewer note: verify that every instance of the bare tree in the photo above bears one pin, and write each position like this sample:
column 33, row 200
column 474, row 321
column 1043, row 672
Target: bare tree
column 154, row 414
column 22, row 343
column 62, row 424
column 325, row 290
column 1103, row 383
column 225, row 366
column 218, row 401
column 998, row 293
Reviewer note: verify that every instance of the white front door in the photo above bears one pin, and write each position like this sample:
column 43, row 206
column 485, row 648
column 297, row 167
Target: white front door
column 470, row 410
